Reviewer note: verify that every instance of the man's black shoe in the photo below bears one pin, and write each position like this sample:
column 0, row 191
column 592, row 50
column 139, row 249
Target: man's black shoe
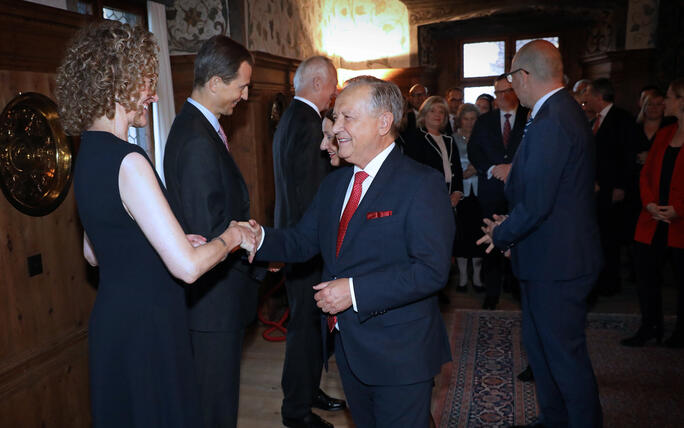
column 325, row 402
column 490, row 302
column 311, row 420
column 526, row 375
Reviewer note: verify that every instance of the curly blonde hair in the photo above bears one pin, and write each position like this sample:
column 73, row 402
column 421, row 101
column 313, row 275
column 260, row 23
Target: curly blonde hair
column 105, row 63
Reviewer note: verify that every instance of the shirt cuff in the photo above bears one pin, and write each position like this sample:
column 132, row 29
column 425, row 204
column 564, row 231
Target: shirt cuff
column 489, row 172
column 263, row 235
column 353, row 296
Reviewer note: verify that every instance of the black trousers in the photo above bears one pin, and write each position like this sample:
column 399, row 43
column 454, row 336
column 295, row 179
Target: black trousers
column 609, row 218
column 649, row 263
column 496, row 269
column 303, row 348
column 217, row 357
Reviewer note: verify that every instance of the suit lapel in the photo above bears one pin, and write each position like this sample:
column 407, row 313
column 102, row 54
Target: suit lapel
column 336, row 208
column 380, row 182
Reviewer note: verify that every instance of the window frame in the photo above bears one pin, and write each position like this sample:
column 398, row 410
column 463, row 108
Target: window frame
column 509, row 53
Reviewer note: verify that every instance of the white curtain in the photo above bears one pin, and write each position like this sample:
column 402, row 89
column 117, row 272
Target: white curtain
column 163, row 112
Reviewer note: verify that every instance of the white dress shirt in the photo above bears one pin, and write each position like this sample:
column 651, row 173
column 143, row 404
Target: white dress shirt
column 372, row 170
column 211, row 117
column 309, row 103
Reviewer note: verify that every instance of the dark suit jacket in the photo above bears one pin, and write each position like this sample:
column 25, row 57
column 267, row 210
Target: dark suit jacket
column 398, row 263
column 486, row 148
column 423, row 148
column 550, row 191
column 298, row 164
column 206, row 191
column 616, row 145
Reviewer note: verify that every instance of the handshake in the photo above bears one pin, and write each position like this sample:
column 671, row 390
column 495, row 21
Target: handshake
column 244, row 234
column 249, row 234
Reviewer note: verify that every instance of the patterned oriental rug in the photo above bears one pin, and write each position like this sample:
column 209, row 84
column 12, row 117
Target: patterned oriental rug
column 639, row 387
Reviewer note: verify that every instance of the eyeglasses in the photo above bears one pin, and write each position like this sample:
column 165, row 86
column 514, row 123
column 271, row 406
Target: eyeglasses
column 503, row 91
column 509, row 76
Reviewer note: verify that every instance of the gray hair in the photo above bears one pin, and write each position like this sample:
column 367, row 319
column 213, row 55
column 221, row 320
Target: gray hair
column 580, row 85
column 385, row 96
column 467, row 108
column 315, row 66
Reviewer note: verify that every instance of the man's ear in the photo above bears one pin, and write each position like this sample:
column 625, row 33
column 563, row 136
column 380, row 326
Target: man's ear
column 213, row 83
column 385, row 121
column 316, row 83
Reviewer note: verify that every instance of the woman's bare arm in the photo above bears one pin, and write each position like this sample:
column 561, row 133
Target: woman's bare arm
column 144, row 200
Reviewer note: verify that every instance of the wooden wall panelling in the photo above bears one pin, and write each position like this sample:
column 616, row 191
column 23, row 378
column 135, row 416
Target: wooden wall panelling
column 628, row 70
column 43, row 342
column 43, row 345
column 33, row 37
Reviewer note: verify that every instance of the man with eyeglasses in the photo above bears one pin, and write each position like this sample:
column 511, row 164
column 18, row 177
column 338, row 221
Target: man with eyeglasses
column 493, row 143
column 552, row 238
column 454, row 98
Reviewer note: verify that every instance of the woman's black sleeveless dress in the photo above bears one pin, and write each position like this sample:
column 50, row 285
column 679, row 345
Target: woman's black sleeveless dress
column 141, row 371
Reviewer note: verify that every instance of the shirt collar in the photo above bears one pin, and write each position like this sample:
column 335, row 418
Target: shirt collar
column 542, row 100
column 309, row 103
column 374, row 165
column 209, row 115
column 605, row 110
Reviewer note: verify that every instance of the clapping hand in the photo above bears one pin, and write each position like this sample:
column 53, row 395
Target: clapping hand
column 488, row 230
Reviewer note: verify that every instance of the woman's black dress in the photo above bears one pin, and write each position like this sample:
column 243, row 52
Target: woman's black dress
column 141, row 371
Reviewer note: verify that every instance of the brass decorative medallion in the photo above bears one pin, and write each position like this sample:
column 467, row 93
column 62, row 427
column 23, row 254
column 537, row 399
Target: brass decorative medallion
column 35, row 155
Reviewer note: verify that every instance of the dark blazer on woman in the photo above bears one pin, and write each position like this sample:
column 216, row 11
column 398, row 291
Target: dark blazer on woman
column 649, row 184
column 424, row 149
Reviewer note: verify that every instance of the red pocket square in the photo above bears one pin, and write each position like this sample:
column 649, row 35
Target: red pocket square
column 378, row 214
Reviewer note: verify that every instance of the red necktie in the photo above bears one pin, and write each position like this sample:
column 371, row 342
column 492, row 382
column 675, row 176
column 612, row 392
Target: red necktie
column 223, row 137
column 347, row 214
column 597, row 124
column 506, row 129
column 352, row 203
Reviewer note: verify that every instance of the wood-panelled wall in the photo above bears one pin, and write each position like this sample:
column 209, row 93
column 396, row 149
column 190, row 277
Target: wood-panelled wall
column 43, row 339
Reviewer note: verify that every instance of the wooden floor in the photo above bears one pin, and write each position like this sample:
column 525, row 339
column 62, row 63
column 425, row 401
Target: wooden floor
column 260, row 392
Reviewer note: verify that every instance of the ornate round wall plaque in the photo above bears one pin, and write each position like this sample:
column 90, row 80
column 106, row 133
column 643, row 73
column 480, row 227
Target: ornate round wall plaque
column 35, row 155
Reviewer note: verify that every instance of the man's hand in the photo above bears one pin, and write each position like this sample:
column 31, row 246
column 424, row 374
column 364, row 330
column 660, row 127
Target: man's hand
column 618, row 195
column 501, row 171
column 274, row 266
column 334, row 296
column 196, row 240
column 488, row 230
column 248, row 239
column 469, row 172
column 455, row 197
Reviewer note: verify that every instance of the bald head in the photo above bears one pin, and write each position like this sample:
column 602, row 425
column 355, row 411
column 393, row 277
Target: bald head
column 541, row 59
column 537, row 69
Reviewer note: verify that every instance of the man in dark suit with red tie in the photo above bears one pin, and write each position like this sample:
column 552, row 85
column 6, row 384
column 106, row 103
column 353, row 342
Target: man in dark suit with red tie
column 384, row 228
column 617, row 137
column 206, row 192
column 493, row 143
column 552, row 236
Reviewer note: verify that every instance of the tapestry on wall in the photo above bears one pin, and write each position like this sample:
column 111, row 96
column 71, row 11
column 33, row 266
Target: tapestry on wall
column 191, row 22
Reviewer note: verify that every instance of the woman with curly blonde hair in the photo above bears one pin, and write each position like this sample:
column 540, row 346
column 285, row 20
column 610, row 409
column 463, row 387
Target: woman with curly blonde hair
column 141, row 371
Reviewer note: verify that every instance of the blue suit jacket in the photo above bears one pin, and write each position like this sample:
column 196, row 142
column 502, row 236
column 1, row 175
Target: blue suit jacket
column 398, row 263
column 486, row 149
column 552, row 225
